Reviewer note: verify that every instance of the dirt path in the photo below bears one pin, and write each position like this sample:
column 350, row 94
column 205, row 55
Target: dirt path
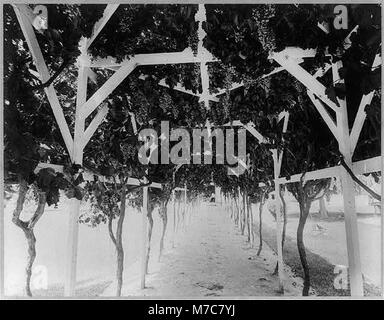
column 210, row 258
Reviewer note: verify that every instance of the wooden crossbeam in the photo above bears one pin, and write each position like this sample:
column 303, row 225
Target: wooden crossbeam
column 180, row 88
column 324, row 114
column 22, row 13
column 185, row 56
column 358, row 167
column 97, row 120
column 361, row 114
column 250, row 126
column 233, row 87
column 309, row 81
column 180, row 189
column 99, row 25
column 360, row 119
column 127, row 67
column 298, row 53
column 203, row 54
column 90, row 176
column 107, row 88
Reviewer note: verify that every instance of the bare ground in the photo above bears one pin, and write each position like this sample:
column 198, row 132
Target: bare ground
column 210, row 258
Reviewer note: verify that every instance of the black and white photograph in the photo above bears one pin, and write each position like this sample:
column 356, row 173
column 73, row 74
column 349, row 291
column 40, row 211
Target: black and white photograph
column 191, row 150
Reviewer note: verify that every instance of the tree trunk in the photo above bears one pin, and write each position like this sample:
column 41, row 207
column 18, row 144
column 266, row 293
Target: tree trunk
column 250, row 223
column 110, row 230
column 242, row 215
column 261, row 224
column 248, row 218
column 284, row 209
column 322, row 208
column 27, row 227
column 150, row 228
column 119, row 242
column 237, row 213
column 178, row 224
column 164, row 218
column 285, row 220
column 30, row 236
column 304, row 211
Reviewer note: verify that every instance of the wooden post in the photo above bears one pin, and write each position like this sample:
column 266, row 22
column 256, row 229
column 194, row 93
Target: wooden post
column 22, row 12
column 144, row 236
column 250, row 217
column 217, row 195
column 73, row 227
column 238, row 208
column 350, row 216
column 276, row 169
column 174, row 219
column 185, row 204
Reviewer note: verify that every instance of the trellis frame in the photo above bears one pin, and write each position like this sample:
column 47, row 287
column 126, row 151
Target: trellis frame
column 289, row 60
column 84, row 107
column 347, row 142
column 75, row 146
column 174, row 207
column 277, row 161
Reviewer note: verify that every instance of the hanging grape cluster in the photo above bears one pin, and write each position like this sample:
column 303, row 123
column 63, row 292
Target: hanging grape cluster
column 228, row 81
column 193, row 42
column 261, row 16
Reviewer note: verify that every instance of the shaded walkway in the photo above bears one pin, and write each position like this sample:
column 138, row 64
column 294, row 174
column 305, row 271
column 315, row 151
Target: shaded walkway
column 211, row 258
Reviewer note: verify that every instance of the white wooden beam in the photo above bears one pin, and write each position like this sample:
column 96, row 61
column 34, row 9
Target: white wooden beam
column 73, row 226
column 322, row 71
column 358, row 167
column 347, row 40
column 309, row 81
column 298, row 53
column 180, row 189
column 95, row 123
column 99, row 25
column 366, row 166
column 350, row 216
column 133, row 121
column 312, row 175
column 234, row 86
column 360, row 119
column 90, row 176
column 252, row 130
column 276, row 70
column 284, row 115
column 185, row 56
column 276, row 171
column 179, row 87
column 324, row 114
column 144, row 239
column 128, row 66
column 107, row 88
column 361, row 114
column 22, row 11
column 203, row 54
